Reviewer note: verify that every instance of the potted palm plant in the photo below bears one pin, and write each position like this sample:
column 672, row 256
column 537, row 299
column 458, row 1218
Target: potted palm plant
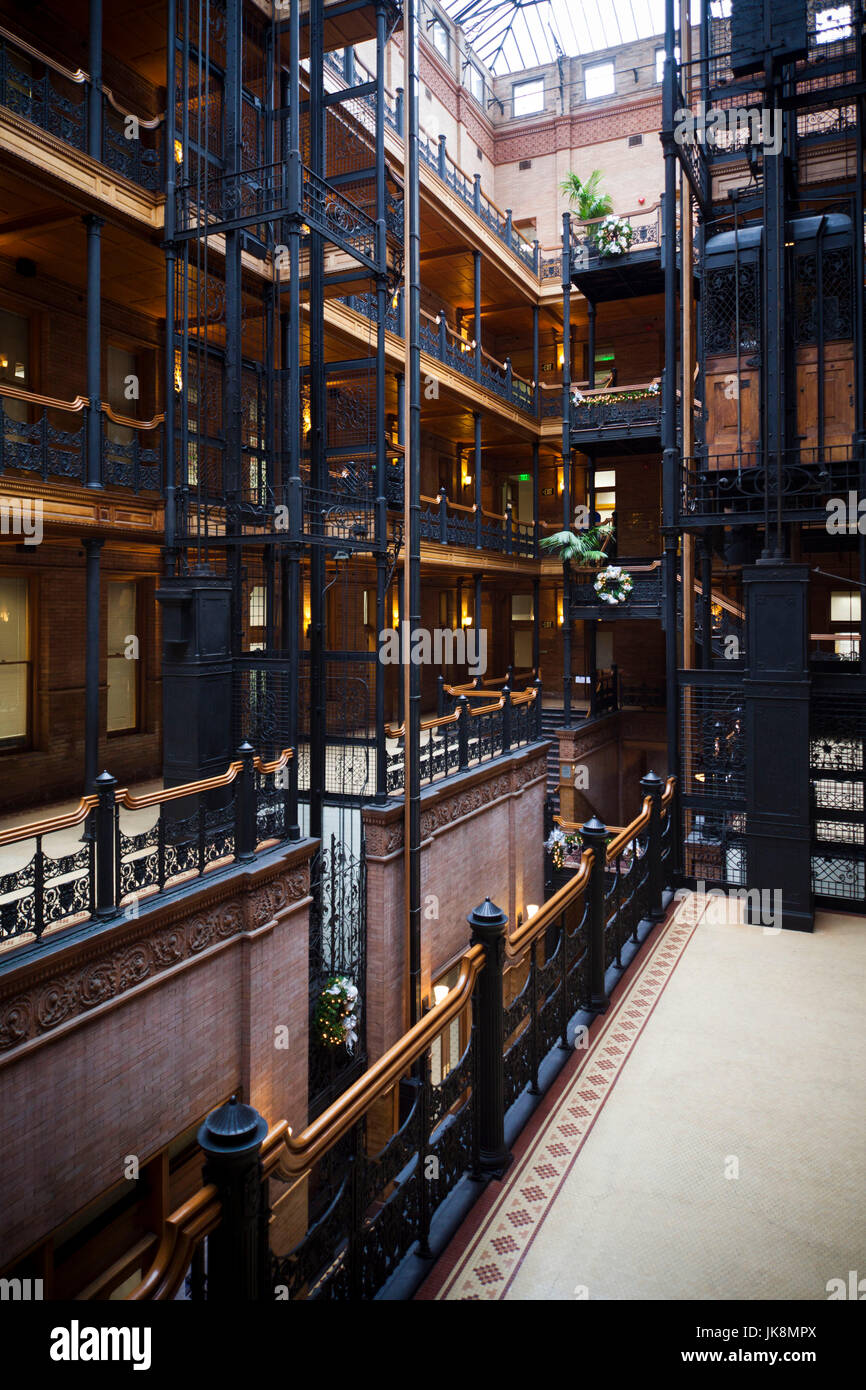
column 587, row 197
column 581, row 547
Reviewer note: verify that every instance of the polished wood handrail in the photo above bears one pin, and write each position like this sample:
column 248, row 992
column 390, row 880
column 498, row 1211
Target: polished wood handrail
column 529, row 931
column 79, row 76
column 123, row 796
column 52, row 823
column 640, row 212
column 50, row 402
column 520, row 697
column 610, row 393
column 128, row 422
column 184, row 1229
column 299, row 1152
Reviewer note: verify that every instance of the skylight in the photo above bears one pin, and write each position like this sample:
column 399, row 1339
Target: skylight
column 510, row 35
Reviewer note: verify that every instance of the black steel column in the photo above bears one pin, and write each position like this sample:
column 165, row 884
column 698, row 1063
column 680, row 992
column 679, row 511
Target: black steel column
column 670, row 461
column 777, row 689
column 92, row 548
column 413, row 540
column 94, row 227
column 94, row 91
column 590, row 346
column 706, row 604
column 566, row 463
column 170, row 311
column 318, row 434
column 536, row 624
column 536, row 497
column 536, row 398
column 476, row 266
column 293, row 633
column 476, row 418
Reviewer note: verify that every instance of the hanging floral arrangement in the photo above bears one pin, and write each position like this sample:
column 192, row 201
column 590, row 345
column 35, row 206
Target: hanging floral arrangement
column 614, row 584
column 337, row 1013
column 561, row 844
column 614, row 237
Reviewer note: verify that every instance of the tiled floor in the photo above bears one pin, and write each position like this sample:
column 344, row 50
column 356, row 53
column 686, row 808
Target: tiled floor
column 709, row 1144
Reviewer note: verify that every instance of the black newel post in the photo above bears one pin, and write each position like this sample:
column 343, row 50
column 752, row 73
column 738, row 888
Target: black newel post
column 539, row 725
column 245, row 805
column 488, row 923
column 506, row 719
column 462, row 732
column 231, row 1138
column 652, row 785
column 104, row 786
column 593, row 836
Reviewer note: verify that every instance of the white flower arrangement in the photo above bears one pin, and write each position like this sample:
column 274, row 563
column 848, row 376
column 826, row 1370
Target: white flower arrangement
column 614, row 584
column 560, row 844
column 614, row 237
column 337, row 1013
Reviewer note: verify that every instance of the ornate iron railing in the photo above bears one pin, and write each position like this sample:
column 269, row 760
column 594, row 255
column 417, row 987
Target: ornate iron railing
column 644, row 599
column 481, row 727
column 747, row 485
column 603, row 409
column 32, row 442
column 121, row 861
column 56, row 100
column 646, row 235
column 366, row 1203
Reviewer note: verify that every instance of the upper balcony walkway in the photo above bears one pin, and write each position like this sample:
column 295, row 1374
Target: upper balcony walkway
column 652, row 1170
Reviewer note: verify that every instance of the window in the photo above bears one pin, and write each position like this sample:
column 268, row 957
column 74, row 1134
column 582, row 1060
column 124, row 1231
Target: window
column 521, row 608
column 257, row 606
column 844, row 606
column 605, row 492
column 660, row 61
column 14, row 360
column 441, row 38
column 14, row 660
column 122, row 656
column 599, row 81
column 527, row 98
column 833, row 24
column 475, row 82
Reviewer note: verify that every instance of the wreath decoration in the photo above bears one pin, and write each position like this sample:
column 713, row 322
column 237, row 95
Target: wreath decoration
column 614, row 584
column 337, row 1013
column 614, row 237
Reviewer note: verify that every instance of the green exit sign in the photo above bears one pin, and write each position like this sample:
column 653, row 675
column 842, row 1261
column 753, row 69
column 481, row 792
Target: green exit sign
column 524, row 477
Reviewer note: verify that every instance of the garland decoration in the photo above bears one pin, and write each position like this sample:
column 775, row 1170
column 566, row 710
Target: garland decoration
column 337, row 1013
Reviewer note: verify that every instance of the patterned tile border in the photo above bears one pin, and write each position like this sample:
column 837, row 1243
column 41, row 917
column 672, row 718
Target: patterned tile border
column 494, row 1254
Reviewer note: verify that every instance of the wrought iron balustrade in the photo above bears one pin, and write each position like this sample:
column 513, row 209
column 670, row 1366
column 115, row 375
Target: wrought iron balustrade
column 608, row 409
column 492, row 1039
column 33, row 442
column 646, row 235
column 56, row 99
column 483, row 725
column 136, row 846
column 644, row 599
column 450, row 523
column 747, row 484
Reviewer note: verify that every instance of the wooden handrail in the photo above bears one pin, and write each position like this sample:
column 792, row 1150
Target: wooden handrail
column 123, row 796
column 50, row 402
column 640, row 212
column 52, row 823
column 79, row 76
column 184, row 1229
column 128, row 422
column 436, row 721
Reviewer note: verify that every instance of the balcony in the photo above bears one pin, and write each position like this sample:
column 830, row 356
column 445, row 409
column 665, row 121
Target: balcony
column 439, row 340
column 451, row 523
column 644, row 600
column 613, row 417
column 58, row 101
column 753, row 489
column 47, row 438
column 604, row 274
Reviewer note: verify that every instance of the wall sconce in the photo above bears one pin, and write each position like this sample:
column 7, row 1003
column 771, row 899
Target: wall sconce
column 560, row 355
column 560, row 480
column 178, row 152
column 307, row 418
column 559, row 611
column 531, row 909
column 440, row 992
column 178, row 371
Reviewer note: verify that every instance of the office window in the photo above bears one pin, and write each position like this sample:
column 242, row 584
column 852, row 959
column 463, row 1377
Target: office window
column 122, row 656
column 257, row 606
column 441, row 38
column 660, row 61
column 833, row 24
column 521, row 608
column 599, row 81
column 14, row 660
column 527, row 98
column 844, row 606
column 475, row 82
column 15, row 360
column 605, row 491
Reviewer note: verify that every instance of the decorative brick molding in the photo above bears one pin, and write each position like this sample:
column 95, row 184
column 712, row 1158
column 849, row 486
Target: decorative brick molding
column 574, row 131
column 54, row 989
